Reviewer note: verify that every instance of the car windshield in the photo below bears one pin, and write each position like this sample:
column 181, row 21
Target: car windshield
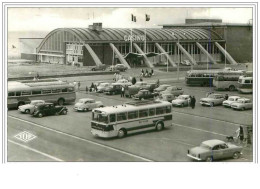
column 231, row 99
column 211, row 96
column 100, row 117
column 205, row 146
column 35, row 102
column 181, row 97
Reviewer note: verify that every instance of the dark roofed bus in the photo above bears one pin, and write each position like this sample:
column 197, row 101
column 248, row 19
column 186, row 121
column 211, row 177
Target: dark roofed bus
column 49, row 90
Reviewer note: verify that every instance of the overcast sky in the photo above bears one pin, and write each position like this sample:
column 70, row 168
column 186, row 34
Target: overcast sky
column 47, row 19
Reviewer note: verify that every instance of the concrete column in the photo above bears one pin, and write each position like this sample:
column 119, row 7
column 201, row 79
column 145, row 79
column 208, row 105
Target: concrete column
column 93, row 55
column 224, row 52
column 166, row 54
column 139, row 50
column 206, row 52
column 120, row 56
column 187, row 54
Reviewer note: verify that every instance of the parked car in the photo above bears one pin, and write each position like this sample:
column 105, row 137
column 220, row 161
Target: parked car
column 166, row 97
column 176, row 91
column 227, row 103
column 99, row 68
column 133, row 89
column 86, row 104
column 124, row 82
column 118, row 67
column 102, row 87
column 97, row 83
column 182, row 100
column 144, row 94
column 27, row 108
column 242, row 104
column 114, row 88
column 47, row 109
column 161, row 88
column 213, row 150
column 186, row 63
column 212, row 100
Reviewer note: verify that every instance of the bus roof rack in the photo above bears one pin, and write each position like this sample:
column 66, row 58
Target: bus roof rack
column 143, row 102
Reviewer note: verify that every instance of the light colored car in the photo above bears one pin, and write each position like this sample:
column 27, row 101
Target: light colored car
column 97, row 83
column 242, row 104
column 161, row 88
column 212, row 100
column 118, row 67
column 176, row 91
column 86, row 104
column 124, row 82
column 167, row 97
column 182, row 100
column 213, row 150
column 102, row 87
column 28, row 108
column 227, row 103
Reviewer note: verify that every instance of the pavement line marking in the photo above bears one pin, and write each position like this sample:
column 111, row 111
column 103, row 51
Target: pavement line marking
column 36, row 151
column 207, row 118
column 85, row 140
column 199, row 129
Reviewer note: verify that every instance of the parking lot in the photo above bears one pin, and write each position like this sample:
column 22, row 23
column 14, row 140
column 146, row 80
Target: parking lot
column 68, row 137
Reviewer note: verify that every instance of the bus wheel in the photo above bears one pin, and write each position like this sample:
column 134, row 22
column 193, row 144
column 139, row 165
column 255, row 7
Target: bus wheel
column 159, row 126
column 60, row 101
column 27, row 111
column 232, row 87
column 121, row 133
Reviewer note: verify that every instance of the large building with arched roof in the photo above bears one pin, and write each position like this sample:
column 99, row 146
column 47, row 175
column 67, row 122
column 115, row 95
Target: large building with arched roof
column 139, row 46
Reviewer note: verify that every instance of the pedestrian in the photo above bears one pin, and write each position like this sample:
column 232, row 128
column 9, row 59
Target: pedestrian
column 115, row 76
column 86, row 89
column 78, row 85
column 193, row 102
column 91, row 87
column 133, row 80
column 95, row 88
column 74, row 83
column 146, row 73
column 142, row 72
column 189, row 101
column 226, row 96
column 122, row 91
column 240, row 134
column 37, row 76
column 152, row 72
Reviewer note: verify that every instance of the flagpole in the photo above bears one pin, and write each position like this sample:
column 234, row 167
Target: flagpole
column 145, row 34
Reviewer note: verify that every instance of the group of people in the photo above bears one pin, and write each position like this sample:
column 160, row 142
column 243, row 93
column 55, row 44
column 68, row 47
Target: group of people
column 92, row 88
column 37, row 77
column 118, row 76
column 146, row 73
column 192, row 102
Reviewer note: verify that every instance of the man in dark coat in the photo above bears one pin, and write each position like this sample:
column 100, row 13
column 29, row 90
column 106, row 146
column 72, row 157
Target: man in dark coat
column 193, row 102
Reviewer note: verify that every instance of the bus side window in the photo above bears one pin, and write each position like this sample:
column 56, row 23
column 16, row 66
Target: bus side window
column 64, row 90
column 18, row 93
column 24, row 93
column 112, row 117
column 11, row 94
column 159, row 110
column 151, row 112
column 168, row 109
column 46, row 91
column 36, row 92
column 143, row 113
column 247, row 81
column 132, row 115
column 121, row 116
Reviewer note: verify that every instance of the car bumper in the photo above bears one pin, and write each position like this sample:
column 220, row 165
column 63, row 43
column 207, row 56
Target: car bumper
column 205, row 103
column 78, row 109
column 236, row 108
column 193, row 157
column 103, row 134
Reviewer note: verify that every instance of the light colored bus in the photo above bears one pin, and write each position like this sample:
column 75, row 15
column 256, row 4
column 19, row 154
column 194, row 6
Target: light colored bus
column 49, row 90
column 245, row 84
column 205, row 77
column 226, row 81
column 131, row 117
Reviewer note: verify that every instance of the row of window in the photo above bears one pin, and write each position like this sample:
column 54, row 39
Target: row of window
column 139, row 114
column 39, row 91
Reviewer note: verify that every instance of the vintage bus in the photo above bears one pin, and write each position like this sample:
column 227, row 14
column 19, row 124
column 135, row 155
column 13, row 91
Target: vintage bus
column 205, row 77
column 130, row 117
column 226, row 81
column 245, row 84
column 49, row 90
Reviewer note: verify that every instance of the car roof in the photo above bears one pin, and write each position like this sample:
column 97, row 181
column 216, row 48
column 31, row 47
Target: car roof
column 37, row 101
column 234, row 97
column 143, row 90
column 244, row 99
column 213, row 142
column 185, row 95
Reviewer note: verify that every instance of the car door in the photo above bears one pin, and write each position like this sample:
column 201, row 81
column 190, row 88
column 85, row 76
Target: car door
column 217, row 152
column 225, row 150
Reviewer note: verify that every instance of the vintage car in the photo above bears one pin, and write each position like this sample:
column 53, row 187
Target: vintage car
column 118, row 67
column 47, row 109
column 242, row 104
column 97, row 83
column 161, row 88
column 124, row 82
column 213, row 150
column 166, row 97
column 182, row 100
column 144, row 94
column 86, row 104
column 176, row 91
column 27, row 108
column 102, row 87
column 114, row 88
column 133, row 89
column 227, row 103
column 186, row 63
column 212, row 100
column 101, row 67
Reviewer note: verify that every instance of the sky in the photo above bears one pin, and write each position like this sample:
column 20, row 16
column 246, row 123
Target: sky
column 47, row 19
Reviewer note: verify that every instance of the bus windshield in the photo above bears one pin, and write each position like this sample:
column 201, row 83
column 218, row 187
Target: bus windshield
column 100, row 117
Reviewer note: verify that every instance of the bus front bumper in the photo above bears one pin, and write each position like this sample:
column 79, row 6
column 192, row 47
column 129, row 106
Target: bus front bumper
column 103, row 134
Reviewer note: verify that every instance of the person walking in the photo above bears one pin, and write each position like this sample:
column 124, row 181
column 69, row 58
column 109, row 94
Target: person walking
column 86, row 89
column 78, row 85
column 122, row 91
column 193, row 102
column 152, row 72
column 189, row 101
column 91, row 87
column 226, row 96
column 142, row 72
column 95, row 88
column 240, row 134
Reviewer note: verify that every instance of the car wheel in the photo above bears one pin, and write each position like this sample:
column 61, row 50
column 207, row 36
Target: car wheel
column 40, row 115
column 209, row 159
column 236, row 155
column 121, row 133
column 64, row 112
column 232, row 88
column 211, row 104
column 159, row 126
column 27, row 111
